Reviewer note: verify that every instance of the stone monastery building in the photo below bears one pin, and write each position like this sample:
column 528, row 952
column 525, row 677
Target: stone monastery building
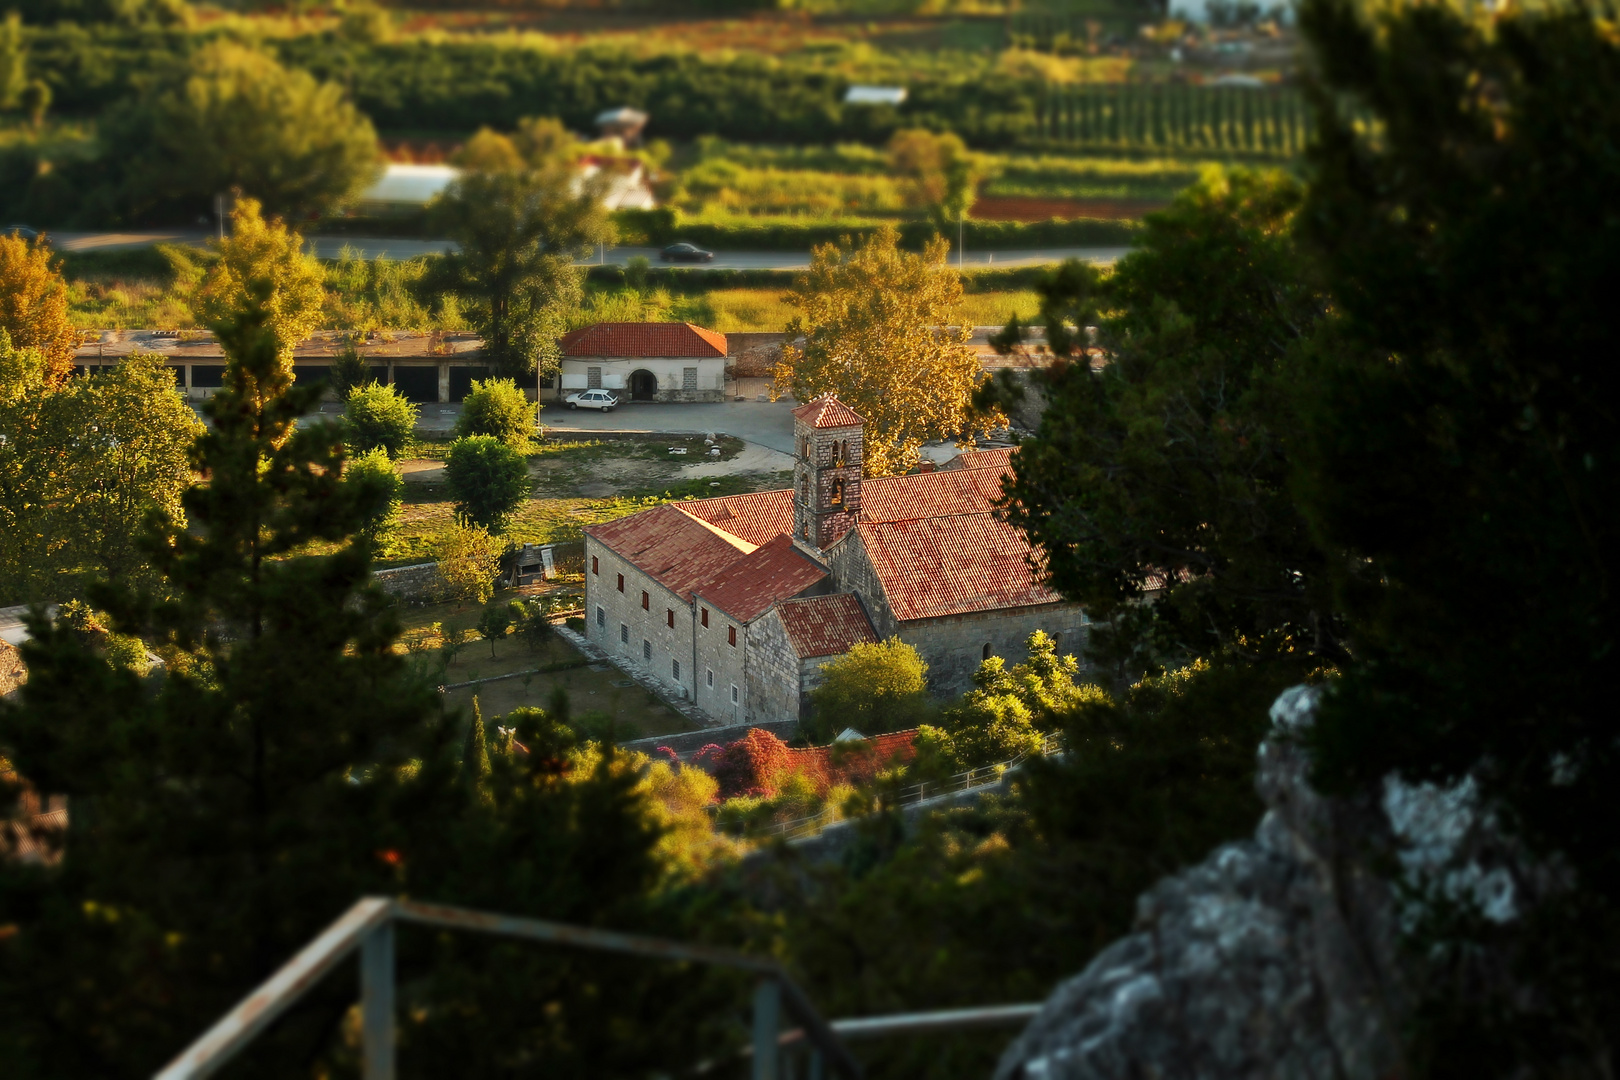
column 737, row 601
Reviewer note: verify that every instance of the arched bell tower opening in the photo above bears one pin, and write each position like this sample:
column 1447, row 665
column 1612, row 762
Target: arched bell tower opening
column 828, row 445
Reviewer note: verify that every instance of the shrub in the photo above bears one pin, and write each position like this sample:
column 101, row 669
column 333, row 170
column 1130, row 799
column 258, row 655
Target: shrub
column 488, row 481
column 377, row 415
column 469, row 559
column 496, row 407
column 348, row 373
column 384, row 490
column 872, row 688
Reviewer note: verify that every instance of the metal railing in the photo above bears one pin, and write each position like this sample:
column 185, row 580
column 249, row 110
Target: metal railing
column 983, row 776
column 369, row 927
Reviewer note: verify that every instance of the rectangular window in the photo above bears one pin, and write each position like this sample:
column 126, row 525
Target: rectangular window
column 711, row 680
column 646, row 650
column 734, row 695
column 689, row 378
column 593, row 378
column 675, row 669
column 601, row 617
column 669, row 617
column 705, row 616
column 645, row 601
column 621, row 583
column 731, row 636
column 624, row 633
column 595, row 566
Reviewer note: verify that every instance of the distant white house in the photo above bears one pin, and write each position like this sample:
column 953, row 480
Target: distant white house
column 670, row 361
column 874, row 95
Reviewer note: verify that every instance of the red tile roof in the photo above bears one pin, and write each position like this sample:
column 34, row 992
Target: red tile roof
column 643, row 339
column 676, row 549
column 999, row 460
column 825, row 625
column 926, row 495
column 828, row 411
column 952, row 565
column 748, row 586
column 756, row 518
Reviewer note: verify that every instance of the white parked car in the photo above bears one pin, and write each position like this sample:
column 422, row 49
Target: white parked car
column 592, row 399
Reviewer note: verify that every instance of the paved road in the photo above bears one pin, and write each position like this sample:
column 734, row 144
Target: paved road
column 766, row 423
column 327, row 247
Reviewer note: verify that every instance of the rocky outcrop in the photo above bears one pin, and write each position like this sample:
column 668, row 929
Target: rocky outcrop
column 1278, row 956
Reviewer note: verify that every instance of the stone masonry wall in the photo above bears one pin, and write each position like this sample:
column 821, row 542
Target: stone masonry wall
column 852, row 572
column 607, row 610
column 954, row 645
column 418, row 584
column 773, row 671
column 716, row 654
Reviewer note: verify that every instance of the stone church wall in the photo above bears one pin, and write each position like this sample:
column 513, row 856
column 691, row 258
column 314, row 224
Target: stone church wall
column 954, row 645
column 651, row 626
column 852, row 572
column 716, row 653
column 773, row 671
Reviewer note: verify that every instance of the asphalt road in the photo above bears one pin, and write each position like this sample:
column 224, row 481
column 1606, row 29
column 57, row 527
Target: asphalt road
column 327, row 247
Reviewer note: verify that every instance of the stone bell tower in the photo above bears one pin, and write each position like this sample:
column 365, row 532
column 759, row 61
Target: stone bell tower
column 827, row 451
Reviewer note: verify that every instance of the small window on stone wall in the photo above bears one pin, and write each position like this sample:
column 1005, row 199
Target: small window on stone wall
column 601, row 617
column 841, row 453
column 646, row 601
column 624, row 633
column 669, row 616
column 987, row 650
column 837, row 492
column 734, row 695
column 711, row 679
column 731, row 636
column 1057, row 642
column 705, row 616
column 675, row 669
column 621, row 583
column 646, row 650
column 595, row 568
column 689, row 378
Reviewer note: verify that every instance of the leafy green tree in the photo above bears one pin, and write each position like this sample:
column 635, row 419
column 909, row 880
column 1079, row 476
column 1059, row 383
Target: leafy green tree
column 877, row 324
column 385, row 489
column 260, row 250
column 233, row 118
column 494, row 622
column 521, row 217
column 873, row 688
column 940, row 174
column 991, row 724
column 469, row 558
column 13, row 62
column 1163, row 459
column 82, row 465
column 378, row 416
column 277, row 728
column 1460, row 453
column 496, row 407
column 488, row 481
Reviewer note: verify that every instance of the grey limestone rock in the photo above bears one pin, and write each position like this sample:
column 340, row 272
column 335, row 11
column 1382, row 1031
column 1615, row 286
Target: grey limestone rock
column 1275, row 957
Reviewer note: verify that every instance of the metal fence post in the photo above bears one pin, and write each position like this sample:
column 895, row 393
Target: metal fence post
column 377, row 1002
column 767, row 1023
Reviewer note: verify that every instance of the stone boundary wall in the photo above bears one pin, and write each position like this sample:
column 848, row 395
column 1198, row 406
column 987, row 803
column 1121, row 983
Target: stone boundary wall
column 754, row 355
column 419, row 583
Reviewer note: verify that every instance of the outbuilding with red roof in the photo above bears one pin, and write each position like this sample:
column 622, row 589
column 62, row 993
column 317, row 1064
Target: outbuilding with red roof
column 643, row 361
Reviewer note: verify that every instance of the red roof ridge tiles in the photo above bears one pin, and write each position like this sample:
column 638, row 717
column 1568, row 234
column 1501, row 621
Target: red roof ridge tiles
column 926, row 495
column 825, row 625
column 999, row 458
column 643, row 339
column 756, row 517
column 747, row 587
column 827, row 411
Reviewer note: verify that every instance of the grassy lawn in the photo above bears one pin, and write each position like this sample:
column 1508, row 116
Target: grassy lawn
column 576, row 483
column 603, row 702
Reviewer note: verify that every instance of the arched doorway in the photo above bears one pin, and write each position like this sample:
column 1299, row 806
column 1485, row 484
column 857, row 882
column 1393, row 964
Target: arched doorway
column 643, row 385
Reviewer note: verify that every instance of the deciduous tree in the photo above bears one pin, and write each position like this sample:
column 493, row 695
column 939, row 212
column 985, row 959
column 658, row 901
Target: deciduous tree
column 875, row 687
column 521, row 215
column 34, row 304
column 384, row 498
column 260, row 250
column 876, row 323
column 234, row 118
column 940, row 174
column 469, row 558
column 488, row 481
column 378, row 416
column 496, row 407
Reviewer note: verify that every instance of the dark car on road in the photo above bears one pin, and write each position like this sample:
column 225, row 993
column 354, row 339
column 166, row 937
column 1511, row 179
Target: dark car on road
column 684, row 252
